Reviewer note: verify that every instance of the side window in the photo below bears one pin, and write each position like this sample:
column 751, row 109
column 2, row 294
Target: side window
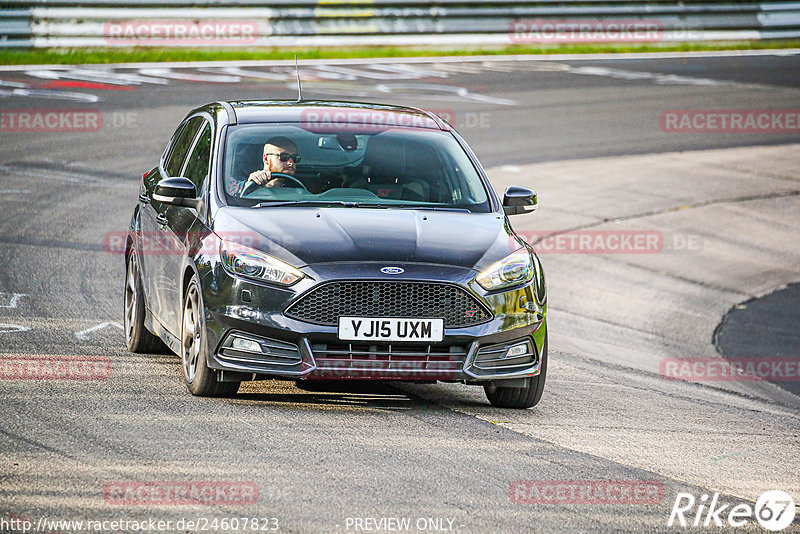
column 197, row 164
column 172, row 141
column 180, row 147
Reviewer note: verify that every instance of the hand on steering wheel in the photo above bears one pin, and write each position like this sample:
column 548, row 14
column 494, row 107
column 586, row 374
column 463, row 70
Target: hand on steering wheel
column 251, row 185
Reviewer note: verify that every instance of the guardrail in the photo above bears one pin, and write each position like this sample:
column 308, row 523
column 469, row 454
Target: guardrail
column 104, row 23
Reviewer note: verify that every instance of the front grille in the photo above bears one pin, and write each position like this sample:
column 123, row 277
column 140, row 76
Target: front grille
column 326, row 303
column 406, row 362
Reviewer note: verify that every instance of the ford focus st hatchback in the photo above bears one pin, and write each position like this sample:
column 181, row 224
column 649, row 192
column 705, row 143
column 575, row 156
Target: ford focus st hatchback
column 314, row 241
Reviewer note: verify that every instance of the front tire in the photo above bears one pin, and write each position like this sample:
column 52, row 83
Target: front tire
column 520, row 398
column 137, row 337
column 200, row 380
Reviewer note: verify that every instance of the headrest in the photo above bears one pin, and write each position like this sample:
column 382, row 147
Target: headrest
column 247, row 157
column 386, row 158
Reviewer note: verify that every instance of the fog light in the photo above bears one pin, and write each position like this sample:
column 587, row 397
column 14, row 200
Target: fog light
column 517, row 351
column 247, row 345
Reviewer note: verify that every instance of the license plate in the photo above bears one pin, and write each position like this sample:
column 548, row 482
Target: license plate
column 390, row 329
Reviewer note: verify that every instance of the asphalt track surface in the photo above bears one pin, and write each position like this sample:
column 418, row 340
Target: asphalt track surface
column 767, row 326
column 587, row 135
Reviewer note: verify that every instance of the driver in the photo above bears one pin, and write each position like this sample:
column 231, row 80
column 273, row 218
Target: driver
column 280, row 155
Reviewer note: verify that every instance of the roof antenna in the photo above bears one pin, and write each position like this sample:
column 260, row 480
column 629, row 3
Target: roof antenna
column 299, row 87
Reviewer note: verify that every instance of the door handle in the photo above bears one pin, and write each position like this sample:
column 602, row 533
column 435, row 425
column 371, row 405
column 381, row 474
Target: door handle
column 144, row 198
column 161, row 219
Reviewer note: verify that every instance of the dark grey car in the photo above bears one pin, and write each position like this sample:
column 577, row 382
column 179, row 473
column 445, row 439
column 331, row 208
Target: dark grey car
column 385, row 256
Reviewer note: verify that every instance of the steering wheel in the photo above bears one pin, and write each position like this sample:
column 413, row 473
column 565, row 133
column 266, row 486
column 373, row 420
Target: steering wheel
column 250, row 187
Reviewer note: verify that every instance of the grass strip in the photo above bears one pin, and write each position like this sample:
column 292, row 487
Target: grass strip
column 75, row 56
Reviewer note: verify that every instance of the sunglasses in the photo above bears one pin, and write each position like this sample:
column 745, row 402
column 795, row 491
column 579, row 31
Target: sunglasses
column 285, row 156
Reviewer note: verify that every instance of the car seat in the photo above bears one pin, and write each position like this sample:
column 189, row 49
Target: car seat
column 385, row 171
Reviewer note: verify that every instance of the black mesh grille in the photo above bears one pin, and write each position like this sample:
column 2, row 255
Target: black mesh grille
column 407, row 362
column 325, row 304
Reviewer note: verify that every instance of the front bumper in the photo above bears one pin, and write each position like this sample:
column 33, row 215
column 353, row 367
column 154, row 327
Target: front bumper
column 477, row 361
column 252, row 338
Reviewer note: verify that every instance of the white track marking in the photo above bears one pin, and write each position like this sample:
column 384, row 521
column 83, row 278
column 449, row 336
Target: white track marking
column 441, row 92
column 237, row 71
column 107, row 75
column 510, row 168
column 41, row 173
column 459, row 68
column 188, row 77
column 409, row 71
column 83, row 335
column 445, row 59
column 657, row 78
column 104, row 75
column 386, row 70
column 357, row 73
column 12, row 299
column 4, row 83
column 51, row 94
column 6, row 328
column 348, row 90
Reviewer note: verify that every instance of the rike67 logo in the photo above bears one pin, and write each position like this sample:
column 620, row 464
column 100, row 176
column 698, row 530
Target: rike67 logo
column 774, row 510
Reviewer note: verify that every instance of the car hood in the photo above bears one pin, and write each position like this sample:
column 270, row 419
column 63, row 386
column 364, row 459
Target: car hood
column 308, row 235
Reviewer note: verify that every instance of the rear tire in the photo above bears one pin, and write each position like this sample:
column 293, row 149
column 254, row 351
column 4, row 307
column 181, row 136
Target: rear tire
column 137, row 337
column 200, row 380
column 520, row 398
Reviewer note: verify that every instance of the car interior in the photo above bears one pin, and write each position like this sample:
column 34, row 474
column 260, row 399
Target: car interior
column 387, row 166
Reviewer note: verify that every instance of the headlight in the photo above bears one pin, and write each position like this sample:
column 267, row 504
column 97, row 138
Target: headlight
column 250, row 263
column 516, row 268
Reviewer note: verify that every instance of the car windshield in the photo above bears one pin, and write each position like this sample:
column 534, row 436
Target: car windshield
column 396, row 167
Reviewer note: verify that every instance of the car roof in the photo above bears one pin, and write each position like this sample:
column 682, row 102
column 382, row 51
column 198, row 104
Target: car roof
column 327, row 111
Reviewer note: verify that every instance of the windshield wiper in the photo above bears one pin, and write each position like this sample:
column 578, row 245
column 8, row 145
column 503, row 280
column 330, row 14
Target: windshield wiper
column 435, row 208
column 306, row 203
column 345, row 204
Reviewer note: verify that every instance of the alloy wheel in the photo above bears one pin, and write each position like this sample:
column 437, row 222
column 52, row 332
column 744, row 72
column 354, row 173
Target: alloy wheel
column 192, row 333
column 131, row 297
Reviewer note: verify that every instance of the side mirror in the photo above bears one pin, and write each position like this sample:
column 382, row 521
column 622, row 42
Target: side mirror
column 519, row 199
column 178, row 191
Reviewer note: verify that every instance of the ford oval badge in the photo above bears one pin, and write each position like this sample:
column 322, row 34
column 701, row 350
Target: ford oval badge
column 392, row 270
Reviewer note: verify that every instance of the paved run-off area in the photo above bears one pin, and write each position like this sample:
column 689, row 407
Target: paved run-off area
column 729, row 223
column 725, row 219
